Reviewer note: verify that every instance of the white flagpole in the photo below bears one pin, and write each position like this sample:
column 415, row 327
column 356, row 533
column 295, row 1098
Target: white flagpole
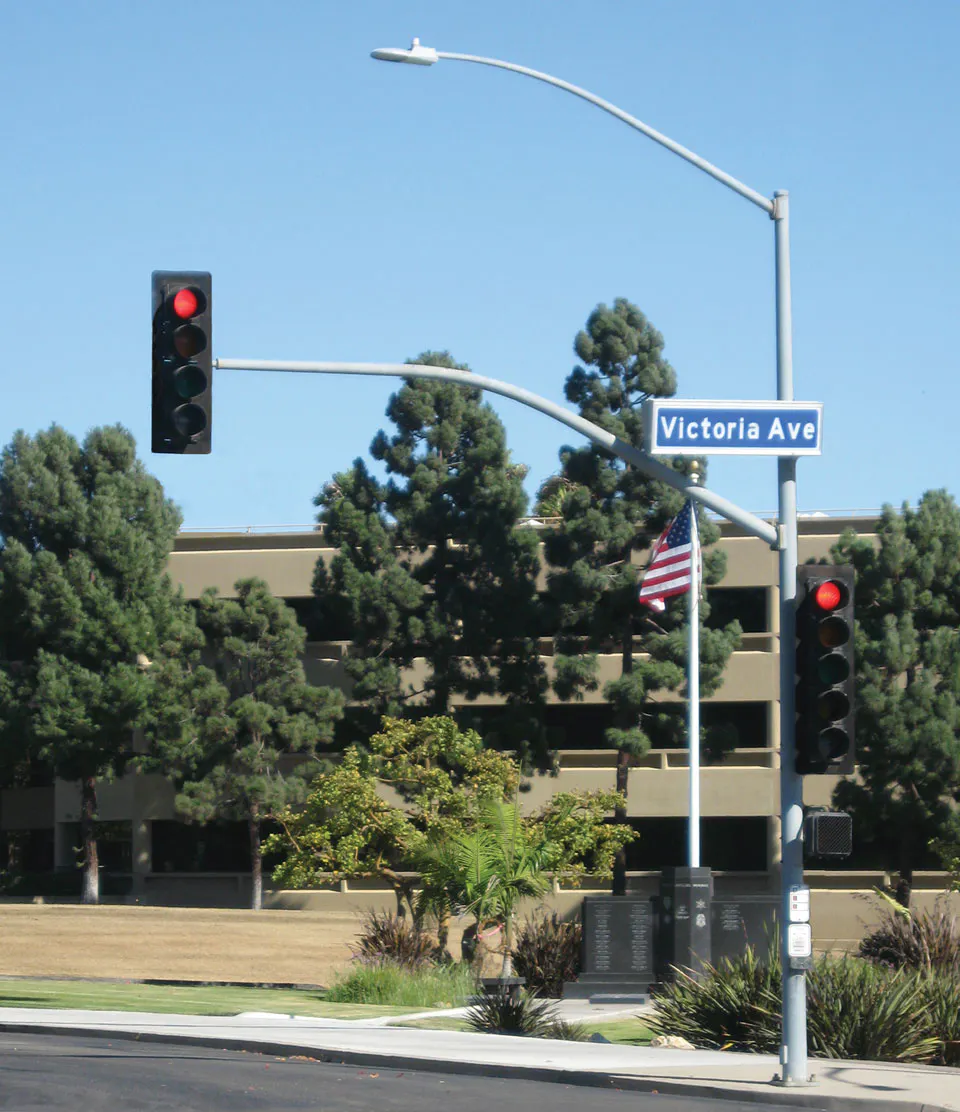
column 693, row 691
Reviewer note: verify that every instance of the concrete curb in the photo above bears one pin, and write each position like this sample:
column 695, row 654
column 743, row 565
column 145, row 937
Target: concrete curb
column 786, row 1097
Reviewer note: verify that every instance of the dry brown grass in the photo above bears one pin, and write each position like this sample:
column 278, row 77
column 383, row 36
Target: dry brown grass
column 172, row 943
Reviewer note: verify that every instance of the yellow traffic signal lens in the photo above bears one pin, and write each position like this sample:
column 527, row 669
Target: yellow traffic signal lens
column 833, row 632
column 189, row 340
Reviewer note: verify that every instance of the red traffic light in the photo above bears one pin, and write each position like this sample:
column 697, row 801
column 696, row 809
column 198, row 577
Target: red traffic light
column 828, row 596
column 185, row 304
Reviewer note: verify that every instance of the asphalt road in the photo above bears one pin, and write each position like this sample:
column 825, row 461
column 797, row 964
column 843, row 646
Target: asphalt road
column 100, row 1075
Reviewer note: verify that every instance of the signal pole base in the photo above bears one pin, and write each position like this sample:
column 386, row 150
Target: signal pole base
column 795, row 1082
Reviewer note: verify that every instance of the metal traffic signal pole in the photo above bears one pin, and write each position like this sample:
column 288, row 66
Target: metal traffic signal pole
column 793, row 1043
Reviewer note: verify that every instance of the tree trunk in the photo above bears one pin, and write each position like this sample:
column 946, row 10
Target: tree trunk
column 620, row 816
column 507, row 969
column 623, row 767
column 256, row 859
column 480, row 949
column 91, row 866
column 402, row 892
column 443, row 932
column 905, row 881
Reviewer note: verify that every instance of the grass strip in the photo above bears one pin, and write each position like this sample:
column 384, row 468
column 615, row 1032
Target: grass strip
column 629, row 1031
column 444, row 986
column 214, row 1000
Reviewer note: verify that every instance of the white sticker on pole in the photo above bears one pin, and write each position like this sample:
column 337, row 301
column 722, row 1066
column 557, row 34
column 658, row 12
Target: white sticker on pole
column 799, row 904
column 799, row 940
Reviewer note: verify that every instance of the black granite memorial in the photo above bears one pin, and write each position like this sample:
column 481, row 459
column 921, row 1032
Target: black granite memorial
column 685, row 898
column 738, row 922
column 618, row 958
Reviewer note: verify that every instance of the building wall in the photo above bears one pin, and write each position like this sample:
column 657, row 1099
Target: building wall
column 744, row 785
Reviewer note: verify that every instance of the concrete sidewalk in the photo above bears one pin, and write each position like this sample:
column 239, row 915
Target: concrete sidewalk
column 841, row 1086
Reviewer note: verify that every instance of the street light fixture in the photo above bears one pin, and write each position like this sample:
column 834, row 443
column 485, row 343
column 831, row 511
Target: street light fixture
column 793, row 1051
column 417, row 55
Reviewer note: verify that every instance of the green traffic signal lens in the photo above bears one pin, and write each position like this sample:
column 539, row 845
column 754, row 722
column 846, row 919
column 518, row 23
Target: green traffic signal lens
column 833, row 632
column 189, row 420
column 833, row 669
column 189, row 381
column 833, row 705
column 189, row 340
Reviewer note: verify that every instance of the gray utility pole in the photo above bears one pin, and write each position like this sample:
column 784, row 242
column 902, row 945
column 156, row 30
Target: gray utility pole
column 793, row 1047
column 754, row 525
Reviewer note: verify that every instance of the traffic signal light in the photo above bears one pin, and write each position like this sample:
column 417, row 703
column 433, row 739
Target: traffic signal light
column 825, row 670
column 182, row 362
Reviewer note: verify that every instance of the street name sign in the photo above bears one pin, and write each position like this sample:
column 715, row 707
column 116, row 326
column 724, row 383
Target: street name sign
column 698, row 428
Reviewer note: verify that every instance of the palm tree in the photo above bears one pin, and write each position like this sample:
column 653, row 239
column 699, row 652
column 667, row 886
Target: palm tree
column 486, row 872
column 553, row 493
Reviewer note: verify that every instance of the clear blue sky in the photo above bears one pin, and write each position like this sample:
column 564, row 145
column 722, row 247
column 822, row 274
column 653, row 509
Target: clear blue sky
column 353, row 210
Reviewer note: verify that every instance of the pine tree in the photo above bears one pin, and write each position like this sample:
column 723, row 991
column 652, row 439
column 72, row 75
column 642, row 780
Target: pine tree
column 907, row 608
column 85, row 533
column 609, row 513
column 366, row 592
column 458, row 586
column 225, row 731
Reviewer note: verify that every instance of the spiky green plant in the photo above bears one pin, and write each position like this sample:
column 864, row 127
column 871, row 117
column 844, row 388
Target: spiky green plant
column 927, row 940
column 866, row 1012
column 941, row 1006
column 391, row 937
column 734, row 1005
column 502, row 1012
column 547, row 952
column 855, row 1010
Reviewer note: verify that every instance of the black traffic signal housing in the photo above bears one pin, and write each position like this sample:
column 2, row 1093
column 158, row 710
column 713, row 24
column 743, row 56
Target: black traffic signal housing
column 825, row 670
column 182, row 407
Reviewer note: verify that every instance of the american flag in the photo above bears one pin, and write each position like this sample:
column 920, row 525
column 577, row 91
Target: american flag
column 668, row 572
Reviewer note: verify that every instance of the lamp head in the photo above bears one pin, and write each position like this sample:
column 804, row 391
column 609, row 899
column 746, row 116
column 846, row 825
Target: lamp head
column 417, row 55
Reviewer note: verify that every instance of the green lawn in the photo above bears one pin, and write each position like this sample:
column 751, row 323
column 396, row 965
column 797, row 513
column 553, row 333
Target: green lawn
column 226, row 1000
column 629, row 1031
column 188, row 1000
